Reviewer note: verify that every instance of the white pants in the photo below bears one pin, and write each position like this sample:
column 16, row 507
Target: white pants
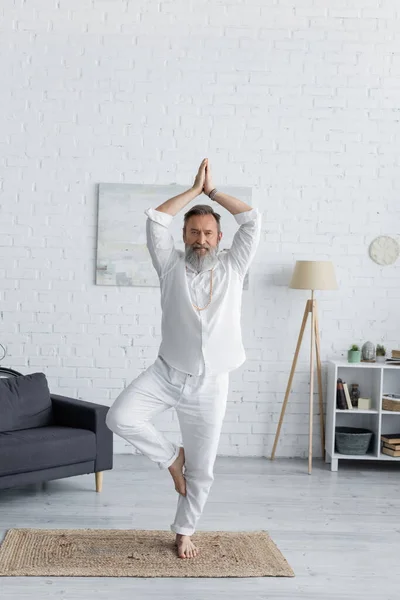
column 200, row 402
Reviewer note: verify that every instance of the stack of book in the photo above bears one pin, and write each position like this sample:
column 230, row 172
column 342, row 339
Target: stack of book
column 391, row 444
column 395, row 359
column 343, row 401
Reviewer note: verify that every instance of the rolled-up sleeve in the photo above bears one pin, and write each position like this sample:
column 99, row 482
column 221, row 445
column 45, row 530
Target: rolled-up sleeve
column 245, row 241
column 160, row 242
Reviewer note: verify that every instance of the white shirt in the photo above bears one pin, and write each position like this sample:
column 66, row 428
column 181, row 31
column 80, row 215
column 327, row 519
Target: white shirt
column 208, row 341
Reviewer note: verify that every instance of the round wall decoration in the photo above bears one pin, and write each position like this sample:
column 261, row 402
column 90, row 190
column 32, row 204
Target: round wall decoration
column 384, row 250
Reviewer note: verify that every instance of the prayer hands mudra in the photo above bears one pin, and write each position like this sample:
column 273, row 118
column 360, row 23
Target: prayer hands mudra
column 203, row 180
column 208, row 182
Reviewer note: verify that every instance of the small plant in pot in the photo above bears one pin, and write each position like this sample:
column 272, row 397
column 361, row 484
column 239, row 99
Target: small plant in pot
column 354, row 354
column 380, row 353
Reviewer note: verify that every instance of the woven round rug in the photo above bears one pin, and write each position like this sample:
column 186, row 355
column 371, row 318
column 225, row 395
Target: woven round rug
column 138, row 553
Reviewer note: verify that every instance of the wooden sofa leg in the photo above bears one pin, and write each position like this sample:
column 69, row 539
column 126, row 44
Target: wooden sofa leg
column 99, row 481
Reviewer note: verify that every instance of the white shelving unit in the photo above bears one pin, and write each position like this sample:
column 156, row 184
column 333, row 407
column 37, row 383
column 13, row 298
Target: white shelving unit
column 374, row 379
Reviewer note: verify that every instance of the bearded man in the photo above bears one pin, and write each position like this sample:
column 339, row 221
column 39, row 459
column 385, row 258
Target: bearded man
column 201, row 296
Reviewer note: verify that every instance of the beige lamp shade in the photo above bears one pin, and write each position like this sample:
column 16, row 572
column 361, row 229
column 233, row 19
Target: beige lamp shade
column 314, row 275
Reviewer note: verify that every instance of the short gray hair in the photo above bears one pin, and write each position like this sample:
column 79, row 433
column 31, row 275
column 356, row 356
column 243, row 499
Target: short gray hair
column 202, row 209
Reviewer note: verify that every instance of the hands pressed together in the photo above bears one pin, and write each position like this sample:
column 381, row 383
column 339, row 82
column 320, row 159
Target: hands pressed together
column 203, row 181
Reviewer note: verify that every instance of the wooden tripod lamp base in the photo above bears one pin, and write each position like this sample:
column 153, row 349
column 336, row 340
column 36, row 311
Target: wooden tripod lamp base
column 310, row 275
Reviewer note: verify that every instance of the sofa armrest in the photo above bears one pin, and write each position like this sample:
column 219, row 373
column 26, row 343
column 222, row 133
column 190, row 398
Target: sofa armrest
column 70, row 412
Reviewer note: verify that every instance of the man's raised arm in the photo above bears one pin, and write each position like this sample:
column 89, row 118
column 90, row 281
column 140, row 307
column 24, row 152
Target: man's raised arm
column 175, row 204
column 160, row 242
column 246, row 239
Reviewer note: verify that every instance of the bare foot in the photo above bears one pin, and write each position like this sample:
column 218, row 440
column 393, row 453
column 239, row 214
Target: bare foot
column 186, row 548
column 176, row 470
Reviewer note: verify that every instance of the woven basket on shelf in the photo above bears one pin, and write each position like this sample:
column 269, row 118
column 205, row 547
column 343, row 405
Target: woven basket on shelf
column 352, row 440
column 393, row 405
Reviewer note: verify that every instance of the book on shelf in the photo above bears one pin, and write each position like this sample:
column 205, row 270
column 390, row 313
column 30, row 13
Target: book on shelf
column 341, row 402
column 391, row 438
column 390, row 452
column 391, row 446
column 392, row 361
column 347, row 394
column 391, row 396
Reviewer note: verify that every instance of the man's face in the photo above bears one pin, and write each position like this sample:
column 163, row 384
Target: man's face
column 201, row 239
column 201, row 233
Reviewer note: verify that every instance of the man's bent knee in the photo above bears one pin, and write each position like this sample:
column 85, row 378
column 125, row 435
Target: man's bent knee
column 116, row 424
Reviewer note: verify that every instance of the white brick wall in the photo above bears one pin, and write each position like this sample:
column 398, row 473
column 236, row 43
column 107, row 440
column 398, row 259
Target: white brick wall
column 297, row 98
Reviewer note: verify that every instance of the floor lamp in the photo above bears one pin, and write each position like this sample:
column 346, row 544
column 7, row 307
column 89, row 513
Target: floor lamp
column 309, row 275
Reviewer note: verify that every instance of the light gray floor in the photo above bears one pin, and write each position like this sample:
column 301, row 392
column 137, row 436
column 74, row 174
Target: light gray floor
column 340, row 532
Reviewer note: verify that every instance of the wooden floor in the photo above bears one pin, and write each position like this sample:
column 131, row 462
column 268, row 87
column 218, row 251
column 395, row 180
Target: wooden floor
column 340, row 532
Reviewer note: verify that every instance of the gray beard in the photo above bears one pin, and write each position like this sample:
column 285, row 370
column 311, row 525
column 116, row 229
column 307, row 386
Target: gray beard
column 201, row 262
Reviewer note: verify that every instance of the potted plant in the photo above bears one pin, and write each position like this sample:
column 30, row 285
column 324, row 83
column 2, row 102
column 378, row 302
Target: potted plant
column 354, row 354
column 380, row 353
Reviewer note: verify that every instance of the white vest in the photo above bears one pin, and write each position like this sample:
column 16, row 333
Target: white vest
column 215, row 333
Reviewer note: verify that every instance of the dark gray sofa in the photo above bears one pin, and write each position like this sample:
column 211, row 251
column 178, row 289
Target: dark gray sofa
column 45, row 436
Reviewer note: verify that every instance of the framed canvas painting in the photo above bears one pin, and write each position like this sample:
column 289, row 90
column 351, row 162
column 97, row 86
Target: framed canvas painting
column 122, row 255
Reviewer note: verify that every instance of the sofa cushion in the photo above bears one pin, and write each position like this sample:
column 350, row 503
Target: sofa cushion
column 24, row 402
column 44, row 447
